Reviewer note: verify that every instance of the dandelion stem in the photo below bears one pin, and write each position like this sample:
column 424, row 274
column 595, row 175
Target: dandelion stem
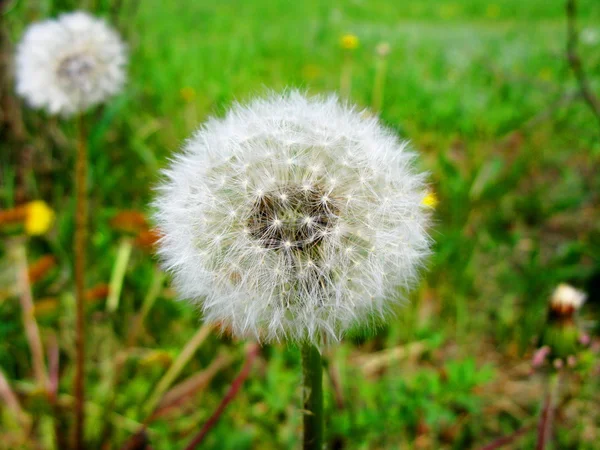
column 379, row 84
column 312, row 369
column 118, row 274
column 546, row 422
column 80, row 261
column 346, row 76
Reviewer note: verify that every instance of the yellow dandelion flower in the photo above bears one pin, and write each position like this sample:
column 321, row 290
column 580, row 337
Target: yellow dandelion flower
column 349, row 42
column 39, row 218
column 187, row 93
column 430, row 200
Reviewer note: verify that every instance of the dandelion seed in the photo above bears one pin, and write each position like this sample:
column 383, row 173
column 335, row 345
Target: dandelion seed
column 69, row 64
column 309, row 260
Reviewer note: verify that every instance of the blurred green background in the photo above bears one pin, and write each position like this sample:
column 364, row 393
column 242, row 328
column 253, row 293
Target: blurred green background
column 484, row 92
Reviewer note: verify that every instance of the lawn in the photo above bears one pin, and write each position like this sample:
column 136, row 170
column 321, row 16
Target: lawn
column 485, row 94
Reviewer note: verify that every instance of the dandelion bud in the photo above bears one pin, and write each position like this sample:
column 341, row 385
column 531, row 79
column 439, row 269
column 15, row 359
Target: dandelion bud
column 293, row 218
column 69, row 64
column 561, row 333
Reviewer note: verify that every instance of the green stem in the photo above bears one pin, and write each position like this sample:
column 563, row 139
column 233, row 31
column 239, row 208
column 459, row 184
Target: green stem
column 379, row 84
column 312, row 369
column 346, row 76
column 118, row 274
column 158, row 281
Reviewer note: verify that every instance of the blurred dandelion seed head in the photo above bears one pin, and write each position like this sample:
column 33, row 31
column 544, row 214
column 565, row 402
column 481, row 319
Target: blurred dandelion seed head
column 69, row 64
column 39, row 218
column 383, row 49
column 566, row 298
column 293, row 218
column 349, row 42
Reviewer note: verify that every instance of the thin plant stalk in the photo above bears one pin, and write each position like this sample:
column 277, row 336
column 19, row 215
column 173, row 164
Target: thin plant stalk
column 80, row 262
column 118, row 274
column 575, row 60
column 312, row 370
column 505, row 440
column 151, row 296
column 182, row 359
column 379, row 83
column 32, row 330
column 544, row 431
column 54, row 381
column 154, row 291
column 12, row 402
column 346, row 76
column 236, row 385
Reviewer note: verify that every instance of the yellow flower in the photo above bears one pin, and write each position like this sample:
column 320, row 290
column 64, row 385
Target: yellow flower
column 39, row 218
column 430, row 200
column 188, row 93
column 349, row 42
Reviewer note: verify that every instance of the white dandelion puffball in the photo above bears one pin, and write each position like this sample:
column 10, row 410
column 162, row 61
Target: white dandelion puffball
column 293, row 218
column 69, row 64
column 566, row 296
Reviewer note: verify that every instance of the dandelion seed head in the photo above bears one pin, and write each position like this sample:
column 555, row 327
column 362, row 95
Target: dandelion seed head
column 566, row 297
column 309, row 262
column 69, row 64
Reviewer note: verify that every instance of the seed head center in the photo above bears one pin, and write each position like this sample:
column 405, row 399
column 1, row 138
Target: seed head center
column 292, row 217
column 75, row 70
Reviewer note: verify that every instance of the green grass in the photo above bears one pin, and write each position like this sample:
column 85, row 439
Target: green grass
column 478, row 87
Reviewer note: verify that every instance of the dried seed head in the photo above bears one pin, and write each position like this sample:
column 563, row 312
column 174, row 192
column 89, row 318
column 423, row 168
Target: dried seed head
column 293, row 218
column 565, row 301
column 69, row 64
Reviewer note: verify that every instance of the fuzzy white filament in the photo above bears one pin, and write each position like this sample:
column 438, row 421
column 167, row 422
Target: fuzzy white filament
column 293, row 218
column 69, row 64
